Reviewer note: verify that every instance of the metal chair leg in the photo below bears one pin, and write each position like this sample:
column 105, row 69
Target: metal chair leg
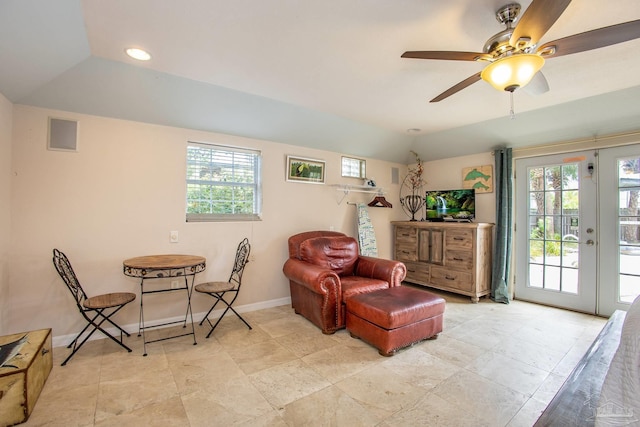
column 228, row 304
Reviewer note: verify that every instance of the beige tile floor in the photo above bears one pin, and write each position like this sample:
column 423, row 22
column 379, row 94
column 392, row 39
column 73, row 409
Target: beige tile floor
column 493, row 365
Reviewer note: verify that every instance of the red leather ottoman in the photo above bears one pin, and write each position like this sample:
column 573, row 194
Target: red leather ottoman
column 393, row 318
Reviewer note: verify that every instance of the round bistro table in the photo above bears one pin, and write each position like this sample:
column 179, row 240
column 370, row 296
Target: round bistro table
column 152, row 267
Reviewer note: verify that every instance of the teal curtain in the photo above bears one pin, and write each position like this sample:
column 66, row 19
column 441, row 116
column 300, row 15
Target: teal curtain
column 503, row 185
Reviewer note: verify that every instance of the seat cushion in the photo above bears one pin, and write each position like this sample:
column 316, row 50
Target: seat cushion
column 338, row 253
column 355, row 285
column 396, row 307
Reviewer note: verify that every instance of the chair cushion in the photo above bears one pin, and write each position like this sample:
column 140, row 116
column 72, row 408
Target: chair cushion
column 338, row 253
column 354, row 285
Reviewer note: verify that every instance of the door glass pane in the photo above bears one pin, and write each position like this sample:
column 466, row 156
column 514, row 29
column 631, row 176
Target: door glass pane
column 570, row 255
column 553, row 178
column 629, row 228
column 629, row 288
column 536, row 276
column 628, row 170
column 550, row 201
column 570, row 226
column 552, row 278
column 570, row 280
column 536, row 179
column 569, row 201
column 553, row 227
column 549, row 230
column 536, row 251
column 552, row 253
column 570, row 177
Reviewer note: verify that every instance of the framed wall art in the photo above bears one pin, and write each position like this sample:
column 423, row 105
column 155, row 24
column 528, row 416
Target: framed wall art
column 480, row 178
column 301, row 169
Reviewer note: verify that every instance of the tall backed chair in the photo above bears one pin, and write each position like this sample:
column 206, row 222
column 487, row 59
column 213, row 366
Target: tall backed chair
column 95, row 310
column 325, row 269
column 218, row 290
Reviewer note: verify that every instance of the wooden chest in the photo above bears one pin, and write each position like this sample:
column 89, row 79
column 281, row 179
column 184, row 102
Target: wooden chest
column 25, row 363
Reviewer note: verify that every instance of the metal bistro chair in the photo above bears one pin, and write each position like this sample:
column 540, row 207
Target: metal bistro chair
column 96, row 310
column 218, row 289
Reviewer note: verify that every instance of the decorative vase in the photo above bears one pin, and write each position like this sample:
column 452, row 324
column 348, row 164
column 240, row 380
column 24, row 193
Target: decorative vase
column 412, row 196
column 412, row 204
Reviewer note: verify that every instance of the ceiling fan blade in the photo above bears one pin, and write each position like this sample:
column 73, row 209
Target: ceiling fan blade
column 537, row 19
column 447, row 55
column 538, row 85
column 457, row 88
column 593, row 39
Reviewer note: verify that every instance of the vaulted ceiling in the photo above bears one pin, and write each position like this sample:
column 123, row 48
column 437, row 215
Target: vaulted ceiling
column 325, row 74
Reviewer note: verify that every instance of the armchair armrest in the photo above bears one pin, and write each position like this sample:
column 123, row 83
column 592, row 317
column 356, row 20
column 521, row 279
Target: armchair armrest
column 388, row 270
column 317, row 279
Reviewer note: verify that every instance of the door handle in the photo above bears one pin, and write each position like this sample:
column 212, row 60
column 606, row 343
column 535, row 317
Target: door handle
column 590, row 242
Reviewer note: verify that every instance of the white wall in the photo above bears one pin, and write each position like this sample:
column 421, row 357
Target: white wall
column 122, row 193
column 446, row 174
column 6, row 118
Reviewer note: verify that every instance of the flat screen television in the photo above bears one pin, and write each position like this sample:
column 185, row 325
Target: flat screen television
column 450, row 204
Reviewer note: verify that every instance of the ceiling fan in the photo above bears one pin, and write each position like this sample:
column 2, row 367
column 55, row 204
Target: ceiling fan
column 513, row 54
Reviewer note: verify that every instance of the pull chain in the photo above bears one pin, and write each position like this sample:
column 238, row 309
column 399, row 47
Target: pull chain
column 512, row 114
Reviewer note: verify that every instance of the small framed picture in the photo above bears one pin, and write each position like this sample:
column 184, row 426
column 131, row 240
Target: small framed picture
column 300, row 169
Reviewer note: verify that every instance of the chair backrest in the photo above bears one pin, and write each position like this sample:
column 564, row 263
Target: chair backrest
column 242, row 258
column 295, row 240
column 337, row 253
column 63, row 266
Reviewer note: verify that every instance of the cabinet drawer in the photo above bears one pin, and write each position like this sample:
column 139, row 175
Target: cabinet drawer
column 459, row 259
column 417, row 271
column 406, row 252
column 460, row 239
column 406, row 234
column 451, row 279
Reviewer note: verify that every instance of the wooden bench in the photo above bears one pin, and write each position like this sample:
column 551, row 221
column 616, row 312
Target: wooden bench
column 576, row 402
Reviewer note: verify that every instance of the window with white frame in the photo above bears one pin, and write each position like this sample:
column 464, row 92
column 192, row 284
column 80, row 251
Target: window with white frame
column 223, row 183
column 354, row 168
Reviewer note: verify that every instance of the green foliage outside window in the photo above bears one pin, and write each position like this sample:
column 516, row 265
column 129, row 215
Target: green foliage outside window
column 222, row 183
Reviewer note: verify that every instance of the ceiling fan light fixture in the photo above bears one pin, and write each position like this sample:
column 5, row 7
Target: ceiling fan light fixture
column 512, row 72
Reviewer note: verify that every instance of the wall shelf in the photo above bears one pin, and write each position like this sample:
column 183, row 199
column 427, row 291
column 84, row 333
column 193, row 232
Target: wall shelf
column 349, row 188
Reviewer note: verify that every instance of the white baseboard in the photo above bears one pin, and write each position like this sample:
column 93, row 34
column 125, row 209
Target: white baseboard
column 64, row 340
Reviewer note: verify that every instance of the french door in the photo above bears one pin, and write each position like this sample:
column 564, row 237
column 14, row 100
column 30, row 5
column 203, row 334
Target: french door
column 556, row 255
column 578, row 229
column 619, row 248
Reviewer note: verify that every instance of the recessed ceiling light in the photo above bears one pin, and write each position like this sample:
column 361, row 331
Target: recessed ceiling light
column 139, row 54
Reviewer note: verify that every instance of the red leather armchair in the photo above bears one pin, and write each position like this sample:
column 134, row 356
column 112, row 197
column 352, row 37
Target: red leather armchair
column 324, row 269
